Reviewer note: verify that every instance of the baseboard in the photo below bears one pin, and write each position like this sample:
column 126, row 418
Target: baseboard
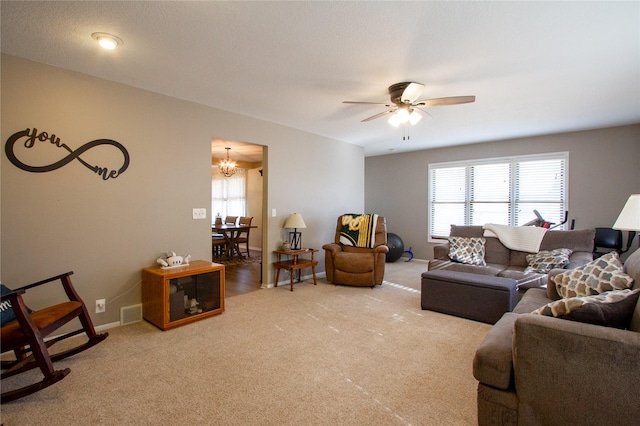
column 104, row 327
column 288, row 282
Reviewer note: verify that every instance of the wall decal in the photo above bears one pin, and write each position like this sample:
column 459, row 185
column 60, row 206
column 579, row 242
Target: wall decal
column 31, row 136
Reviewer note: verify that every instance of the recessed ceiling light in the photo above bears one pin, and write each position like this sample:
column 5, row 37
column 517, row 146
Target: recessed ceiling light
column 107, row 41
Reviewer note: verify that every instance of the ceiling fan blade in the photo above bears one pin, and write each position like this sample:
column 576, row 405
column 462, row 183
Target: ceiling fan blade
column 453, row 100
column 388, row 104
column 426, row 114
column 373, row 117
column 411, row 93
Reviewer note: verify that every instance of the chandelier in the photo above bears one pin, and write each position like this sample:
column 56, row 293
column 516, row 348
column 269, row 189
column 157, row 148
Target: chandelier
column 227, row 167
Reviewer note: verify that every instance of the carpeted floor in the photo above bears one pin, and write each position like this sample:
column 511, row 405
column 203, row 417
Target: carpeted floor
column 319, row 355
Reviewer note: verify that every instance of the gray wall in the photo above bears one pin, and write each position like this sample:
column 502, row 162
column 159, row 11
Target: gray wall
column 603, row 172
column 107, row 231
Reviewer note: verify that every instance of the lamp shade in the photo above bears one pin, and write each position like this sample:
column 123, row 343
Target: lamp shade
column 294, row 221
column 629, row 218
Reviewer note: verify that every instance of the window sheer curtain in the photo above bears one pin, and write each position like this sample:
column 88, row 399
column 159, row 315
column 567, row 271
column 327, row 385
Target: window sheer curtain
column 228, row 194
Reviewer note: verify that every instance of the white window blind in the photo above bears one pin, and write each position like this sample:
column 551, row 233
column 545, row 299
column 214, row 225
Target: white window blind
column 501, row 190
column 228, row 194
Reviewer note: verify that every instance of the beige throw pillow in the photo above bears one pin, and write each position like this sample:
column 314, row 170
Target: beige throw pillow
column 610, row 309
column 546, row 260
column 469, row 250
column 602, row 274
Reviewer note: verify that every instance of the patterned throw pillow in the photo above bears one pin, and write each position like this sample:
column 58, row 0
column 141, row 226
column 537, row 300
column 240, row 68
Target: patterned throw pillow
column 7, row 314
column 602, row 274
column 610, row 309
column 546, row 260
column 469, row 250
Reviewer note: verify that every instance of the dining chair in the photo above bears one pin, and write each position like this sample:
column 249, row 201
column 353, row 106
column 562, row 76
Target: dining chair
column 230, row 220
column 243, row 236
column 219, row 246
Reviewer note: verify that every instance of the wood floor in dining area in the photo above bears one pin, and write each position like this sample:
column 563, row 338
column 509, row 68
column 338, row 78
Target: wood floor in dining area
column 243, row 278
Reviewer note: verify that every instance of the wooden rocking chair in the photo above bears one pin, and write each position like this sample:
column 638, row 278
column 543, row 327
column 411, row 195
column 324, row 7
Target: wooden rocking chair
column 25, row 336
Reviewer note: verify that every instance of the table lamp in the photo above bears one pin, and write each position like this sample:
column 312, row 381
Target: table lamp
column 295, row 221
column 629, row 218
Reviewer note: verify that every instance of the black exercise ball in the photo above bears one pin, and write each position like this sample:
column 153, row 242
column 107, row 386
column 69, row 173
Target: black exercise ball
column 396, row 247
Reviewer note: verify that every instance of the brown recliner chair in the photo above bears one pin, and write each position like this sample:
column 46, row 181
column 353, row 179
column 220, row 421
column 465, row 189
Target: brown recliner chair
column 359, row 266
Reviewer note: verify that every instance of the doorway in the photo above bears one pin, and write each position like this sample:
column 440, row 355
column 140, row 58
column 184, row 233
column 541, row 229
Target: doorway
column 242, row 273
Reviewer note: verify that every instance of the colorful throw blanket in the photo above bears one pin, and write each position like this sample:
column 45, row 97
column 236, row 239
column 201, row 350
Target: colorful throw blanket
column 521, row 238
column 358, row 230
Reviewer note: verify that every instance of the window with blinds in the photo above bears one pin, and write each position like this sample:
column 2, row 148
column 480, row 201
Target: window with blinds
column 500, row 190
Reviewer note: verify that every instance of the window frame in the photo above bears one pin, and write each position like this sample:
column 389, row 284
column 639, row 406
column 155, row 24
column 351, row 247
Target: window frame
column 513, row 201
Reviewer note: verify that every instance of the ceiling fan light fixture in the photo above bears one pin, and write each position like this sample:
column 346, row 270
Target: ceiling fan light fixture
column 227, row 167
column 405, row 106
column 403, row 115
column 414, row 117
column 107, row 41
column 393, row 120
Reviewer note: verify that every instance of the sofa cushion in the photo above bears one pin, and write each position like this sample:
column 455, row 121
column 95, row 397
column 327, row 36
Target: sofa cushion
column 610, row 309
column 468, row 250
column 448, row 265
column 518, row 258
column 576, row 240
column 353, row 262
column 546, row 260
column 602, row 274
column 495, row 251
column 531, row 300
column 526, row 280
column 466, row 231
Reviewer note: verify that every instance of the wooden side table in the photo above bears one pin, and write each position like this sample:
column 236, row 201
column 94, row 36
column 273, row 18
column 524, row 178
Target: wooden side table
column 295, row 263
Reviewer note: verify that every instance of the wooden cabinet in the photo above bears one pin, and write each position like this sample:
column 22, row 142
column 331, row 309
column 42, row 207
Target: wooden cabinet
column 172, row 297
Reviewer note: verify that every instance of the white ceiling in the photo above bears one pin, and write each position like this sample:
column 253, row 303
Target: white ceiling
column 240, row 152
column 535, row 67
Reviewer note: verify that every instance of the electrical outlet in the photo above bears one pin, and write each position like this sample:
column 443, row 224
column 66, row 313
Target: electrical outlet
column 199, row 213
column 101, row 306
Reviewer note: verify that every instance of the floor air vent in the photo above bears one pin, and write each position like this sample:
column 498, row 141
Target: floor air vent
column 130, row 314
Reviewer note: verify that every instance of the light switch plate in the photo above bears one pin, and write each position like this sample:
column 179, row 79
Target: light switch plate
column 199, row 213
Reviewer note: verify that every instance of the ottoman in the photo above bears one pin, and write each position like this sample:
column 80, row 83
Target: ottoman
column 478, row 297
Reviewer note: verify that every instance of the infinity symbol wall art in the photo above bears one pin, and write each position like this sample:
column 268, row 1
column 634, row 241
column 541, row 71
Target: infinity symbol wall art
column 31, row 136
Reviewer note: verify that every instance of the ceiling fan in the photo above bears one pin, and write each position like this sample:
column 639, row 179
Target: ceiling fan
column 404, row 105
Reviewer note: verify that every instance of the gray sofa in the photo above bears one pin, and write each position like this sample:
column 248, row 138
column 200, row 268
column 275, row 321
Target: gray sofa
column 505, row 263
column 541, row 370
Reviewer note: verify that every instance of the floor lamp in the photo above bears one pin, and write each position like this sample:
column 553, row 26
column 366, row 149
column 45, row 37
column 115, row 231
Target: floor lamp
column 629, row 218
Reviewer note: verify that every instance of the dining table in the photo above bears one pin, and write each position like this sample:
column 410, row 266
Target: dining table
column 231, row 233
